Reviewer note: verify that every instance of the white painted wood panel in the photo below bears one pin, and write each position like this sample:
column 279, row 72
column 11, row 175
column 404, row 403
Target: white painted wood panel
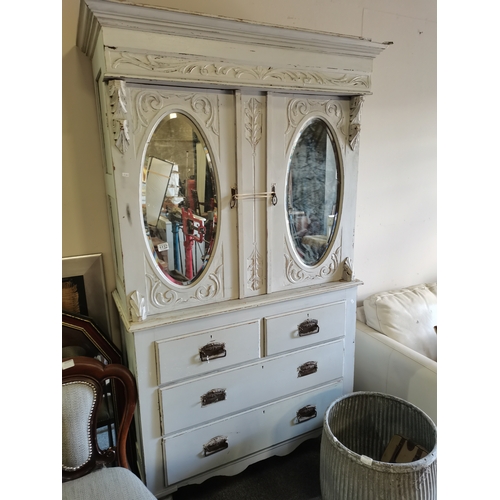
column 246, row 433
column 248, row 386
column 179, row 358
column 251, row 204
column 282, row 331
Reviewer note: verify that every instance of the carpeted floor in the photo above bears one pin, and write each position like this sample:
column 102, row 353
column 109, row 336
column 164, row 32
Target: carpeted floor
column 292, row 477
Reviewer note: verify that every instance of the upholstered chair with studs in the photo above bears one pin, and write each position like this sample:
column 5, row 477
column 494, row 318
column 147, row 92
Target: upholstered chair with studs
column 89, row 473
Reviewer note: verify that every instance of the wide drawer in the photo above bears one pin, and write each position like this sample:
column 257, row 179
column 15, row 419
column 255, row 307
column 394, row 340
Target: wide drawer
column 199, row 450
column 301, row 328
column 201, row 352
column 223, row 393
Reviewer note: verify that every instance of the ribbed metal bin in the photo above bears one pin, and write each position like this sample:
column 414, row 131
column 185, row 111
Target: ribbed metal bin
column 356, row 430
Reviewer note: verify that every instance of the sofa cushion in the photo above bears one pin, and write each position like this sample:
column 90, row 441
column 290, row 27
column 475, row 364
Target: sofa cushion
column 407, row 315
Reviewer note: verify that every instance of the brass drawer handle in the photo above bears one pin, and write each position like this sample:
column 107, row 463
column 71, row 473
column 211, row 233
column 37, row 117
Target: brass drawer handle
column 307, row 368
column 215, row 445
column 213, row 396
column 306, row 413
column 213, row 350
column 308, row 327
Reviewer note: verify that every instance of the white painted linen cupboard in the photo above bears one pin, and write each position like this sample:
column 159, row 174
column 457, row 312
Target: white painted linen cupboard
column 231, row 154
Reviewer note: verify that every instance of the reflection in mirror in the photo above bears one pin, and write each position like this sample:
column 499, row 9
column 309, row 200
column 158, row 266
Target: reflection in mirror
column 179, row 199
column 313, row 191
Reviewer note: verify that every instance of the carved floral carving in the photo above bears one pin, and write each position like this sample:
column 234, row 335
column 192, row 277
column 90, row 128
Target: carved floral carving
column 162, row 296
column 348, row 273
column 117, row 97
column 253, row 122
column 203, row 105
column 297, row 274
column 216, row 71
column 253, row 134
column 355, row 120
column 117, row 101
column 254, row 270
column 297, row 109
column 138, row 307
column 148, row 102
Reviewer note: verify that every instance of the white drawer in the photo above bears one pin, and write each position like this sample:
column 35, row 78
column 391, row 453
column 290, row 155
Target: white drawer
column 245, row 433
column 283, row 331
column 238, row 389
column 183, row 357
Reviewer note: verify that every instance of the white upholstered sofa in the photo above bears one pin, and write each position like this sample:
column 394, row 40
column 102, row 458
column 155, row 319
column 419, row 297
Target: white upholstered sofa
column 396, row 345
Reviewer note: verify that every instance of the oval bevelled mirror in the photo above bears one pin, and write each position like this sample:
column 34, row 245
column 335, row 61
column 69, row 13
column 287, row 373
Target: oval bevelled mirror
column 313, row 191
column 179, row 199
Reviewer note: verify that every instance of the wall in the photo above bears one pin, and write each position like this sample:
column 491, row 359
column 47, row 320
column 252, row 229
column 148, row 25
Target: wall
column 396, row 210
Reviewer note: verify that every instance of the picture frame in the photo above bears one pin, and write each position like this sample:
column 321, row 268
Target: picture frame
column 85, row 275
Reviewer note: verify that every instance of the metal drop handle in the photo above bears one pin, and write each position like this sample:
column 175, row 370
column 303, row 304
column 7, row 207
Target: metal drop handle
column 308, row 327
column 307, row 368
column 306, row 413
column 215, row 445
column 212, row 350
column 213, row 396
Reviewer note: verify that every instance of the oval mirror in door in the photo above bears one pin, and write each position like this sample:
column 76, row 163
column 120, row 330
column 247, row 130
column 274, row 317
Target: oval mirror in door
column 313, row 191
column 179, row 199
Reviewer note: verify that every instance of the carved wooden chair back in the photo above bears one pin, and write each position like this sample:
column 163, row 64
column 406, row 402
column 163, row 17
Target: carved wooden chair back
column 83, row 380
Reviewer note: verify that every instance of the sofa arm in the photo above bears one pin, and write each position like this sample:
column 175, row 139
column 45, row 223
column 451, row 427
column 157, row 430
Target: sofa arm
column 384, row 365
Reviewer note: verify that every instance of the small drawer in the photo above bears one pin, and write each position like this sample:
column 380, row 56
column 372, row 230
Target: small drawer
column 295, row 330
column 192, row 403
column 220, row 443
column 206, row 351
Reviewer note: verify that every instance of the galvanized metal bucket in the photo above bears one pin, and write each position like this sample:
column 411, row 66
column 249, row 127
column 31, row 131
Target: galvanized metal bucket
column 357, row 428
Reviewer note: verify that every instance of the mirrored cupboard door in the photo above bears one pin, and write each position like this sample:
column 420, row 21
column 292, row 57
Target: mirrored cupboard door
column 173, row 170
column 311, row 228
column 296, row 190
